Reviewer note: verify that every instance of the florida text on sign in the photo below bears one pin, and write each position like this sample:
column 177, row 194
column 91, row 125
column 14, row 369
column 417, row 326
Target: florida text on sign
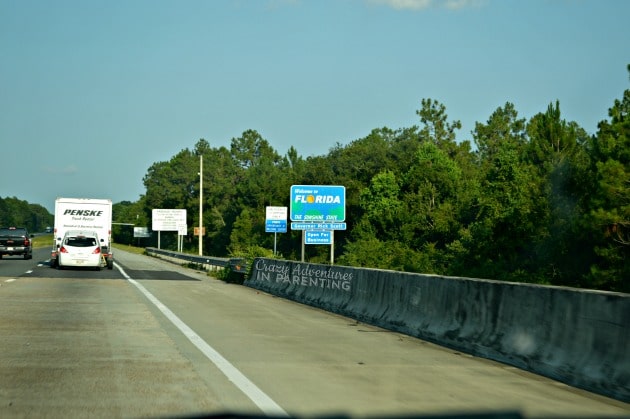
column 323, row 203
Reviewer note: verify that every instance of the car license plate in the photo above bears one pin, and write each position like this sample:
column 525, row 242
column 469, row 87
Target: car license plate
column 9, row 248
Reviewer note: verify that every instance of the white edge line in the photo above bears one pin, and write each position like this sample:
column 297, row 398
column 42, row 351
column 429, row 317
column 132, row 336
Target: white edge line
column 255, row 394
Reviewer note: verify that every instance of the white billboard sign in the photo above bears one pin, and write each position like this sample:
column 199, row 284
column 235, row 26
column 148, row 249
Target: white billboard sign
column 168, row 219
column 276, row 213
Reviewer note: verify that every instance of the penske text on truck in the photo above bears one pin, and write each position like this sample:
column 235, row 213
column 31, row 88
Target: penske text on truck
column 83, row 214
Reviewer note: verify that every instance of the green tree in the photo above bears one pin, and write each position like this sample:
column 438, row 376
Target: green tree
column 430, row 191
column 369, row 251
column 5, row 215
column 296, row 164
column 553, row 139
column 382, row 206
column 557, row 149
column 503, row 126
column 504, row 232
column 220, row 182
column 609, row 205
column 173, row 184
column 19, row 213
column 125, row 216
column 537, row 201
column 246, row 232
column 498, row 214
column 436, row 128
column 261, row 177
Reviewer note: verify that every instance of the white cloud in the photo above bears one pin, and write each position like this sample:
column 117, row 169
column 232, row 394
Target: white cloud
column 460, row 4
column 425, row 4
column 404, row 4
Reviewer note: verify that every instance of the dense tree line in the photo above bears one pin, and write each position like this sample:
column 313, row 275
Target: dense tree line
column 18, row 213
column 535, row 200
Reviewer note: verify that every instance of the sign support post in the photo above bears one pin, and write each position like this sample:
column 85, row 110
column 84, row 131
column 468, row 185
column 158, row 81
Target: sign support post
column 275, row 239
column 332, row 247
column 200, row 204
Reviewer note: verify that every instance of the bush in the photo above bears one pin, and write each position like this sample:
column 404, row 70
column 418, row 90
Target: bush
column 244, row 259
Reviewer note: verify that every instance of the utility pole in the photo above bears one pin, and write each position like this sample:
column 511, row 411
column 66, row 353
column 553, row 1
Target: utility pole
column 200, row 205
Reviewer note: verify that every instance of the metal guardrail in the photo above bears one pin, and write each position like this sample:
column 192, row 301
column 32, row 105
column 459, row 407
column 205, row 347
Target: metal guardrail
column 236, row 265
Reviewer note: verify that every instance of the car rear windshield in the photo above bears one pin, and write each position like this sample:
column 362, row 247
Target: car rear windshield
column 81, row 241
column 14, row 232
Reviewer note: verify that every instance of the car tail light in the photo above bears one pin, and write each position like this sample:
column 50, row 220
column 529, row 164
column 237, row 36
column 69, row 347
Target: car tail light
column 63, row 250
column 26, row 242
column 96, row 251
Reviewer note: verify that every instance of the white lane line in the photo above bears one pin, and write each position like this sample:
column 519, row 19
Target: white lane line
column 11, row 280
column 255, row 394
column 29, row 272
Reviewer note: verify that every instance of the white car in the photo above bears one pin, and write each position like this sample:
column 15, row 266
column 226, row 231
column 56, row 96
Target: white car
column 80, row 249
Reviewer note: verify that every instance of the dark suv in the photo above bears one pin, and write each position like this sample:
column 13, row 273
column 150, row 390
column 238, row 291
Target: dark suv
column 15, row 241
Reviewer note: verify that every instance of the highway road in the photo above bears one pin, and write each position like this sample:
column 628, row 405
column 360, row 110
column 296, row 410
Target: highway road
column 152, row 339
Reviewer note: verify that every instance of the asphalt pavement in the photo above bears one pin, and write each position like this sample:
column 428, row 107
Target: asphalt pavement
column 153, row 339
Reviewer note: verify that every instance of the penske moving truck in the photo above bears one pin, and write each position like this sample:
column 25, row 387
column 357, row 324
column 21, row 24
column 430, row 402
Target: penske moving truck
column 84, row 214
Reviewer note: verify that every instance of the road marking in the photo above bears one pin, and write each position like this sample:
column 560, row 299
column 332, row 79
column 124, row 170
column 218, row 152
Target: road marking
column 29, row 272
column 255, row 394
column 11, row 280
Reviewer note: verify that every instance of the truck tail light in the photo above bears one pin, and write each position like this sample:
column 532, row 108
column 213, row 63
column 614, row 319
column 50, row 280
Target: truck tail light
column 27, row 242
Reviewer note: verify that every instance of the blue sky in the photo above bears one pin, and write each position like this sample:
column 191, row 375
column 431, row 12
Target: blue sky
column 92, row 93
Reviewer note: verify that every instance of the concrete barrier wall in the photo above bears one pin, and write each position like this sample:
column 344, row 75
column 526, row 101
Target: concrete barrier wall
column 579, row 337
